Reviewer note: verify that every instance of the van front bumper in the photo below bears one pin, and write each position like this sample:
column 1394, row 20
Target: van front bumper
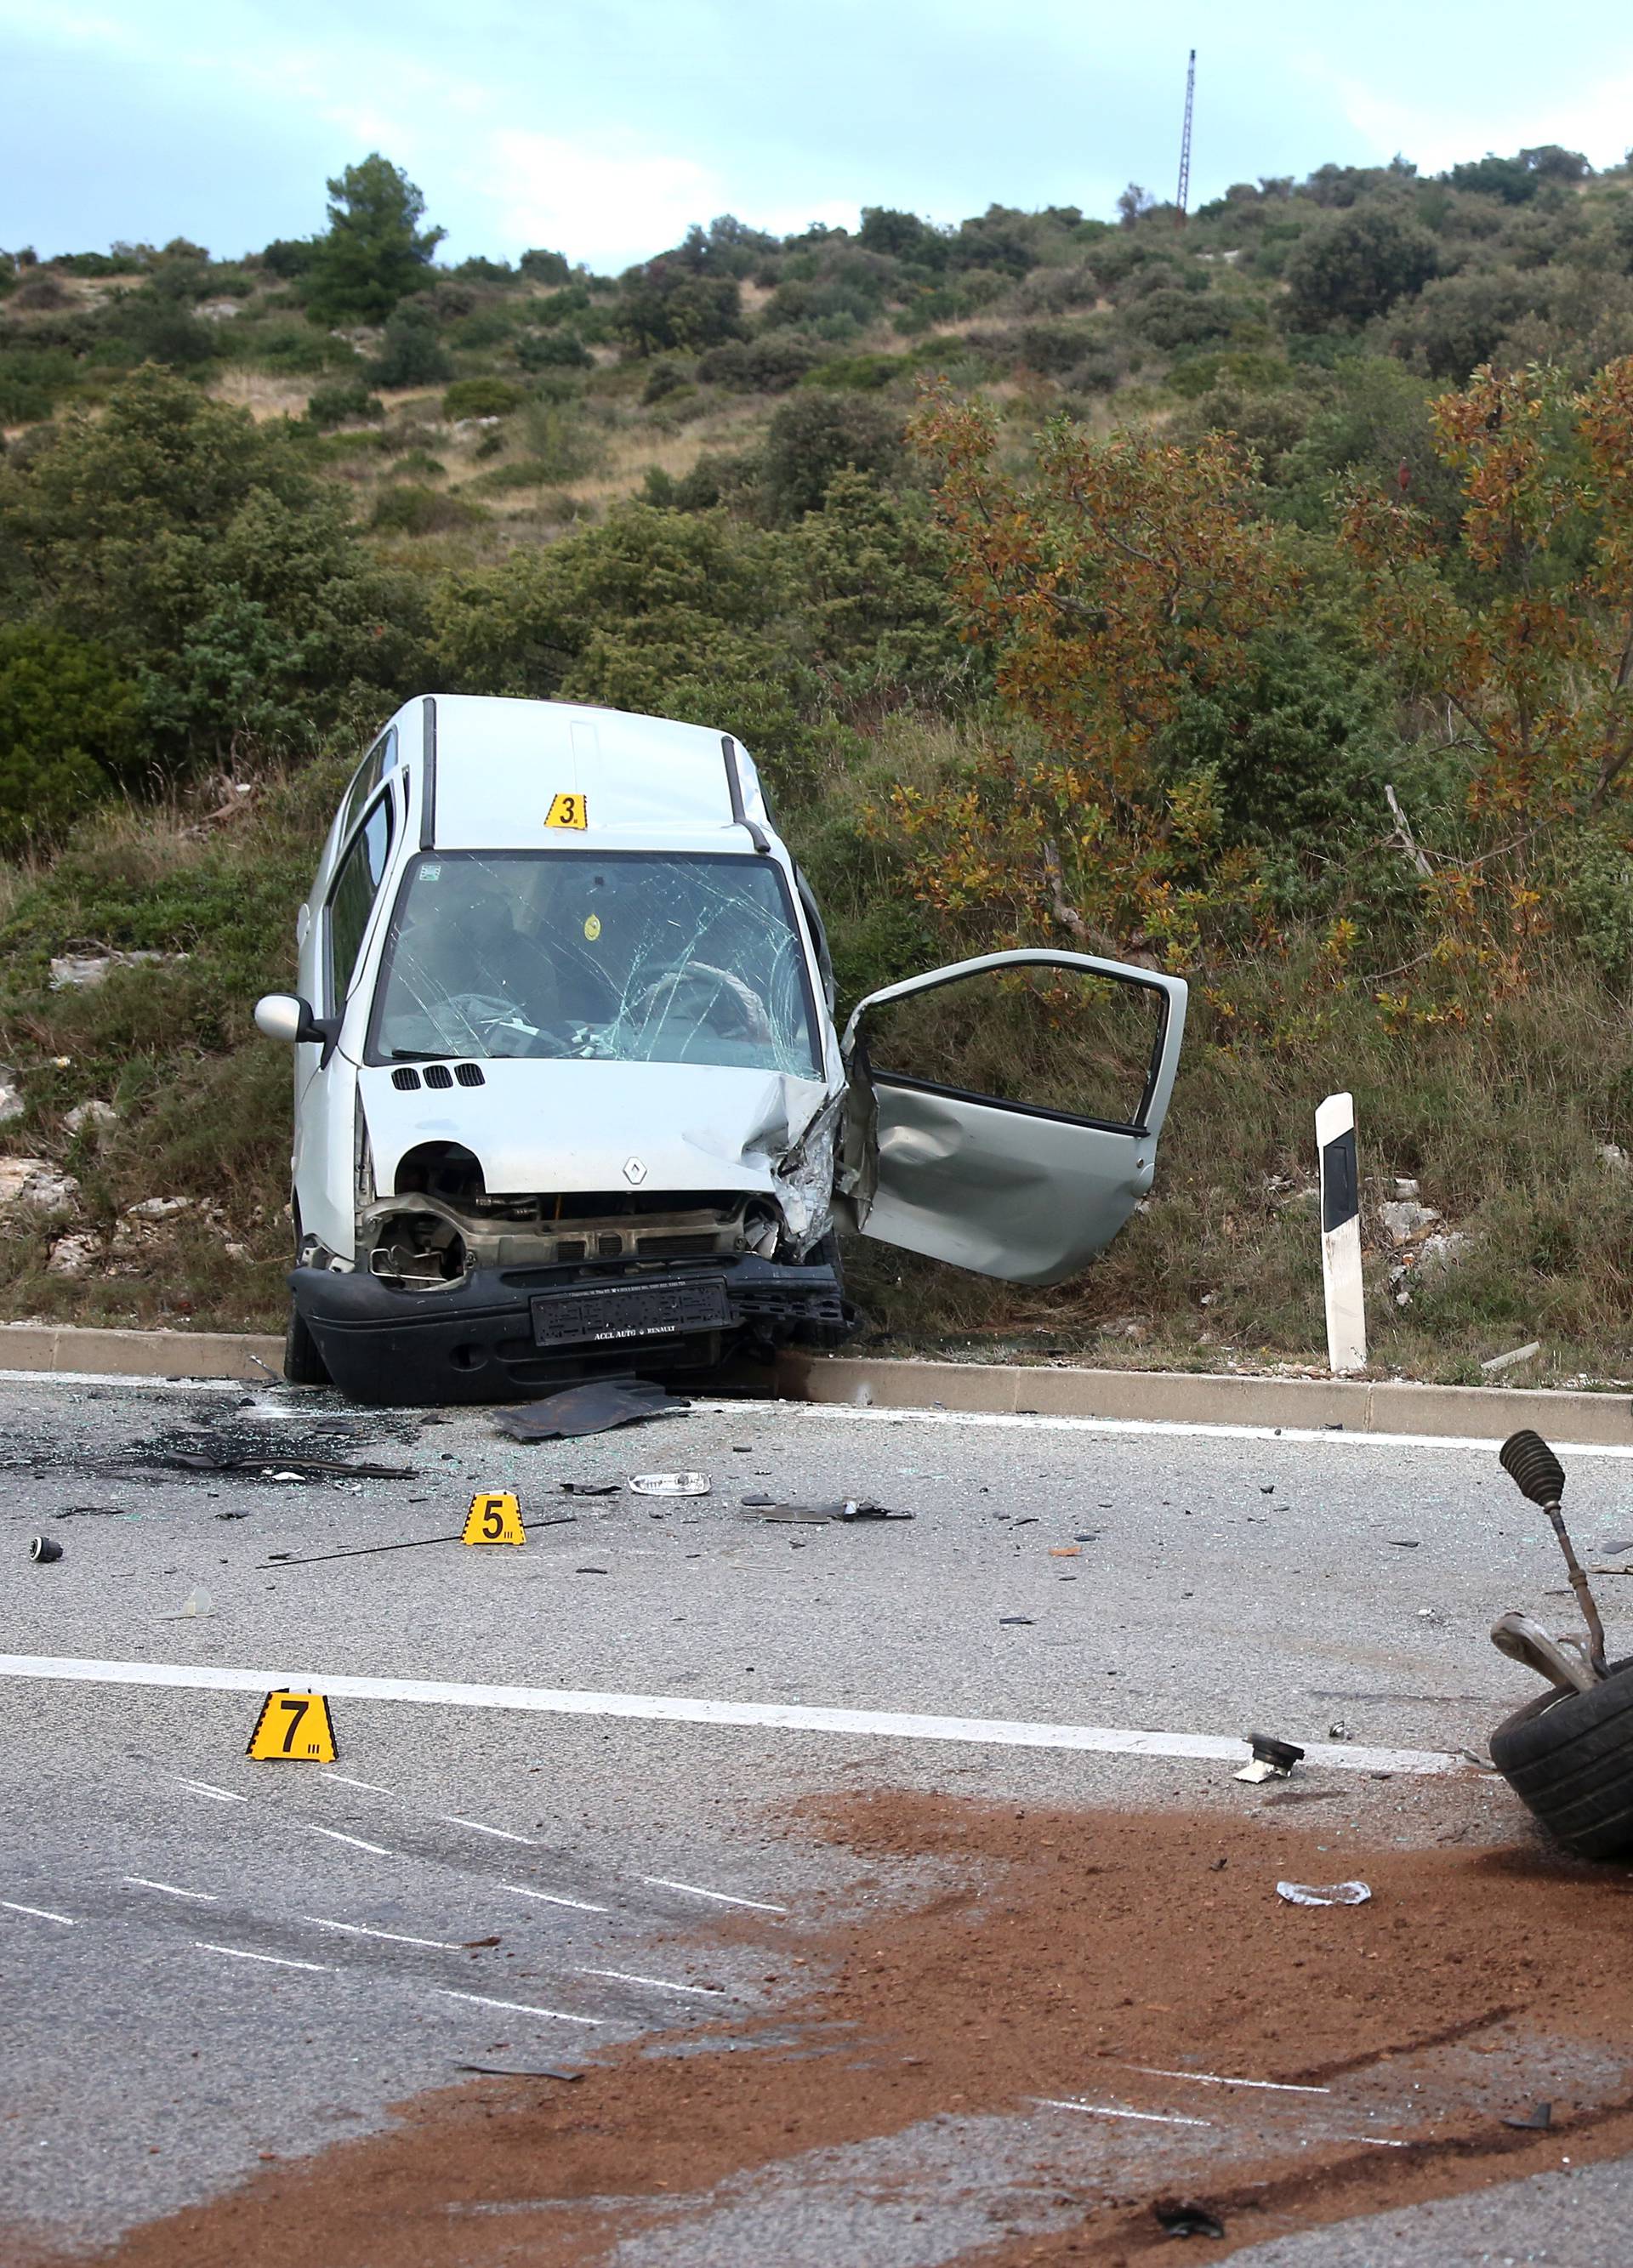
column 506, row 1333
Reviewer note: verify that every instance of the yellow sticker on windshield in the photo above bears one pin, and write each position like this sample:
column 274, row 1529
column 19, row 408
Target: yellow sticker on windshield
column 567, row 811
column 592, row 927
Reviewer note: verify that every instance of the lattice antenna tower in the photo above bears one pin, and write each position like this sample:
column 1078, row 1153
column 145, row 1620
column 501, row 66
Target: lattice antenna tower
column 1183, row 197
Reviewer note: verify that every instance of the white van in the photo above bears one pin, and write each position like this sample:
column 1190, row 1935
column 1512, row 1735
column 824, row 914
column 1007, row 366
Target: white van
column 569, row 1094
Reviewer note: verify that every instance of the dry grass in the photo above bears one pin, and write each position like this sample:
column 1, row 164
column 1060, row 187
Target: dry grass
column 264, row 396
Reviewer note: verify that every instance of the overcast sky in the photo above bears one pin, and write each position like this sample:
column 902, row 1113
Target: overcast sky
column 602, row 128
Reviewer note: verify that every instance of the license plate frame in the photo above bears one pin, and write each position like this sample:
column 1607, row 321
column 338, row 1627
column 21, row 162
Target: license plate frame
column 606, row 1314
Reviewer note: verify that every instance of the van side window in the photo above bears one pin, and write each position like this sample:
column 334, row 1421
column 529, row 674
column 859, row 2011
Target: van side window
column 351, row 900
column 379, row 759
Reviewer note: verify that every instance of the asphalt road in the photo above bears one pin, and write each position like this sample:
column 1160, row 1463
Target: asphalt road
column 206, row 1961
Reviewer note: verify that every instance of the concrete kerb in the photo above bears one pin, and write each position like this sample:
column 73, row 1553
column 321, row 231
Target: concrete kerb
column 1486, row 1413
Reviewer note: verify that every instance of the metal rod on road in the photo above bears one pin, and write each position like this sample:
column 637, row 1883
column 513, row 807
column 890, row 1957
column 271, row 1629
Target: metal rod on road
column 361, row 1550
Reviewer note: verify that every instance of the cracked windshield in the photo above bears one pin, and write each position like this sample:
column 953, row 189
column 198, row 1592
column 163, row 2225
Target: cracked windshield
column 636, row 959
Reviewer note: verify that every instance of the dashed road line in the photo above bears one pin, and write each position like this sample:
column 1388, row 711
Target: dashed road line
column 553, row 1898
column 720, row 1897
column 392, row 1936
column 271, row 1959
column 658, row 1983
column 517, row 2008
column 1106, row 2110
column 1215, row 2078
column 203, row 1788
column 172, row 1889
column 478, row 1828
column 356, row 1842
column 40, row 1913
column 372, row 1786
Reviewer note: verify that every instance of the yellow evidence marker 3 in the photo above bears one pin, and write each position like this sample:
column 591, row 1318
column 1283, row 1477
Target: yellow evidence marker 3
column 494, row 1518
column 293, row 1725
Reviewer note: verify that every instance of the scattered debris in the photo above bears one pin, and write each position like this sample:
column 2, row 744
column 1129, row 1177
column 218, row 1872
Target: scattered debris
column 44, row 1550
column 277, row 1465
column 411, row 1543
column 1271, row 1759
column 591, row 1488
column 1187, row 2220
column 75, row 1254
column 82, row 972
column 594, row 1407
column 1537, row 2120
column 1339, row 1732
column 592, row 1571
column 1324, row 1894
column 851, row 1509
column 1538, row 1474
column 670, row 1485
column 198, row 1601
column 1015, row 1622
column 500, row 2071
column 1501, row 1362
column 1612, row 1155
column 1560, row 1661
column 12, row 1103
column 37, row 1184
column 1404, row 1543
column 1405, row 1217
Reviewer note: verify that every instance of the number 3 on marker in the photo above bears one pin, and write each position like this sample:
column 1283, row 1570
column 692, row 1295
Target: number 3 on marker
column 568, row 811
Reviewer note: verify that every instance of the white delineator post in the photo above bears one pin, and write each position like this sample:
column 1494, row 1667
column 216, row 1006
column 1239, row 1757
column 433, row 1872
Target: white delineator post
column 1340, row 1235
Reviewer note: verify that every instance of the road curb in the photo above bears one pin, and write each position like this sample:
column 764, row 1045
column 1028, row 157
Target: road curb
column 1484, row 1413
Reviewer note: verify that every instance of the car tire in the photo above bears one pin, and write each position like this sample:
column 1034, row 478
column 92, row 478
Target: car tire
column 1568, row 1758
column 303, row 1365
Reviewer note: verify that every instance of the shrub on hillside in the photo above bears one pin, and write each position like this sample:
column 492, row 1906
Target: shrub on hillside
column 410, row 353
column 376, row 252
column 817, row 435
column 68, row 736
column 342, row 403
column 666, row 304
column 407, row 509
column 482, row 397
column 1356, row 265
column 558, row 350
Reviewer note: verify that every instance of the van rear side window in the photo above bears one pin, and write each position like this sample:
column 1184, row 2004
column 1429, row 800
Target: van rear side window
column 351, row 901
column 632, row 957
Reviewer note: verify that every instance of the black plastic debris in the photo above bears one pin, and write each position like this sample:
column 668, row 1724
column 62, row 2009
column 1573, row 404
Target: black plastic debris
column 1271, row 1759
column 502, row 2071
column 591, row 1488
column 279, row 1461
column 44, row 1550
column 1185, row 2219
column 595, row 1407
column 1537, row 2120
column 848, row 1509
column 1015, row 1622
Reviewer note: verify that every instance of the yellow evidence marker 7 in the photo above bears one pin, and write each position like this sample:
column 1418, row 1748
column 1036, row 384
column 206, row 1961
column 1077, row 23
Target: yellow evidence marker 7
column 494, row 1518
column 568, row 811
column 293, row 1725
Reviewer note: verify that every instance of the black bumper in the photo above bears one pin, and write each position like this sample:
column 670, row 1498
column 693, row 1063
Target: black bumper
column 477, row 1343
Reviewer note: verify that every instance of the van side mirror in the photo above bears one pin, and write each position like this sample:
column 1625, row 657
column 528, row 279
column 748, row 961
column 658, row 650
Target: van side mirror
column 285, row 1016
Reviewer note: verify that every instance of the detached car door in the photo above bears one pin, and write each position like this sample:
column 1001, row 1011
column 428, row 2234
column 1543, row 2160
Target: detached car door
column 1030, row 1164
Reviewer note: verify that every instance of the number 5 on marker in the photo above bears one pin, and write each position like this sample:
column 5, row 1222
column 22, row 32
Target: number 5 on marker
column 494, row 1518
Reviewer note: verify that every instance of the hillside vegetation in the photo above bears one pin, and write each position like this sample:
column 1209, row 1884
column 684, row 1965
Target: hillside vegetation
column 1252, row 596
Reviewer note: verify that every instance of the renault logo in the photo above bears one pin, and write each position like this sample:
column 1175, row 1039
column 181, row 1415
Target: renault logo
column 634, row 1172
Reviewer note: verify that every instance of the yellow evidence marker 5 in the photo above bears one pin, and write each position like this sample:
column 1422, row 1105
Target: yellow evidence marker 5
column 296, row 1725
column 568, row 811
column 494, row 1518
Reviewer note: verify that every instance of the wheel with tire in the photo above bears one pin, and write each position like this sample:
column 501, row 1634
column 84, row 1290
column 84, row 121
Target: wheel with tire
column 1568, row 1758
column 303, row 1365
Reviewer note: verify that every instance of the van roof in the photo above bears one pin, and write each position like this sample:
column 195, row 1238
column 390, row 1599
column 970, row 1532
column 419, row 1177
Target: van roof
column 501, row 765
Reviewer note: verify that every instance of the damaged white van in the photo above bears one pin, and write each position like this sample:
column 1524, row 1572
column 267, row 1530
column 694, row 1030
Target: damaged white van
column 569, row 1094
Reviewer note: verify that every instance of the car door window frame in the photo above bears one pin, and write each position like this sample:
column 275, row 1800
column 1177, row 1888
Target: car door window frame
column 855, row 1044
column 335, row 992
column 381, row 761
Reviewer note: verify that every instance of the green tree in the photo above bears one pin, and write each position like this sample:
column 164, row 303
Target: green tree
column 68, row 736
column 375, row 251
column 819, row 434
column 1345, row 271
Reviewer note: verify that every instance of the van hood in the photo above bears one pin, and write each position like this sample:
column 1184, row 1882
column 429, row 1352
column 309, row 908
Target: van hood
column 545, row 1127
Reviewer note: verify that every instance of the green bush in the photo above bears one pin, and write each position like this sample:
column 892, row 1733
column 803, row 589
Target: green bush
column 376, row 252
column 409, row 510
column 815, row 436
column 1356, row 265
column 341, row 404
column 482, row 397
column 553, row 350
column 68, row 735
column 411, row 352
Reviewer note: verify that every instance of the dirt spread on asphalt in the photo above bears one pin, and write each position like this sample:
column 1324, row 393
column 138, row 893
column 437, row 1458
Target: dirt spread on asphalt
column 1117, row 1967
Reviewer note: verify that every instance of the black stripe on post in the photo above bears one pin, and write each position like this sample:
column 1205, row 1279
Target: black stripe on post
column 1341, row 1191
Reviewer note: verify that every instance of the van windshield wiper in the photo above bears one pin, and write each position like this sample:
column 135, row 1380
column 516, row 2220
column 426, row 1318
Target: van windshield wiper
column 416, row 1055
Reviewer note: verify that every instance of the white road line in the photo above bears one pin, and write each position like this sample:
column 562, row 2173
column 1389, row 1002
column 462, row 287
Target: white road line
column 663, row 1883
column 476, row 1826
column 549, row 1898
column 1372, row 2141
column 172, row 1889
column 40, row 1913
column 272, row 1961
column 392, row 1936
column 1104, row 2110
column 372, row 1786
column 356, row 1841
column 658, row 1983
column 221, row 1794
column 1214, row 2079
column 672, row 1708
column 518, row 2007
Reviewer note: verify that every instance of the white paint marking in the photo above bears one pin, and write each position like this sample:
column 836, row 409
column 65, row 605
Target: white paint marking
column 370, row 1785
column 663, row 1883
column 221, row 1794
column 549, row 1898
column 356, row 1841
column 1214, row 2079
column 658, row 1983
column 1104, row 2110
column 476, row 1824
column 392, row 1936
column 519, row 2007
column 40, row 1913
column 172, row 1889
column 234, row 1953
column 672, row 1708
column 1372, row 2141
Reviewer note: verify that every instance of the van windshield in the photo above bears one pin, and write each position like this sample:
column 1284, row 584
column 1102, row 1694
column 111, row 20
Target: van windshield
column 638, row 957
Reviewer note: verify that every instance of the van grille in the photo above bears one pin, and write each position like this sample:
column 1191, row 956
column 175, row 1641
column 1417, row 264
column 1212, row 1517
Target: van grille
column 405, row 1079
column 438, row 1075
column 469, row 1075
